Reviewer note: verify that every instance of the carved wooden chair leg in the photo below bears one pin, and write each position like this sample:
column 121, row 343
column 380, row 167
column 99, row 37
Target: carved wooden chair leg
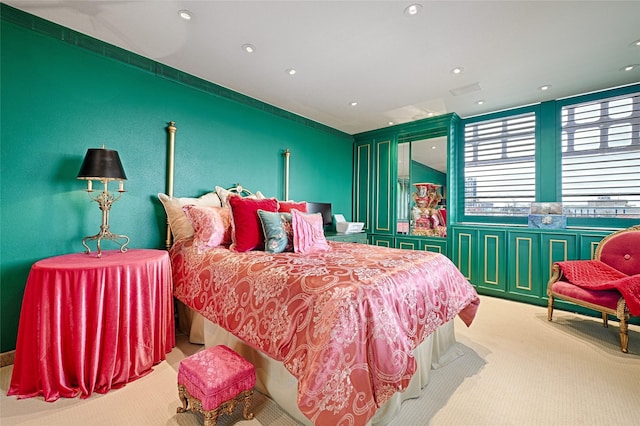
column 605, row 319
column 550, row 309
column 624, row 335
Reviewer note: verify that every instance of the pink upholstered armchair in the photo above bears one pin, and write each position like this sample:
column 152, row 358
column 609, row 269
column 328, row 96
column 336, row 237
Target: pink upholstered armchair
column 609, row 284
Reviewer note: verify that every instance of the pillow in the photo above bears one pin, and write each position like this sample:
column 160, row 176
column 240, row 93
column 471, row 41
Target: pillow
column 286, row 206
column 246, row 229
column 180, row 225
column 308, row 233
column 278, row 234
column 224, row 194
column 212, row 225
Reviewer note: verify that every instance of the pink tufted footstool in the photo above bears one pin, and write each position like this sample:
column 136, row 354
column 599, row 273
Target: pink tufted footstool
column 214, row 381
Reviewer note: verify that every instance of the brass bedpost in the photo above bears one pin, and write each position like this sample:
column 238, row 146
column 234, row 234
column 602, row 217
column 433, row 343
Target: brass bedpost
column 171, row 129
column 286, row 154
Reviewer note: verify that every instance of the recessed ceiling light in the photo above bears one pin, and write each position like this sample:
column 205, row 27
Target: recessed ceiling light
column 185, row 14
column 480, row 102
column 290, row 71
column 457, row 70
column 630, row 67
column 412, row 10
column 249, row 48
column 354, row 103
column 433, row 147
column 390, row 123
column 545, row 87
column 636, row 43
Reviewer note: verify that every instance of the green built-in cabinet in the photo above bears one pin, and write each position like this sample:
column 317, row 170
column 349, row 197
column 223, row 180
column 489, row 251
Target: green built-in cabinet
column 437, row 245
column 360, row 237
column 515, row 262
column 502, row 260
column 376, row 178
column 374, row 160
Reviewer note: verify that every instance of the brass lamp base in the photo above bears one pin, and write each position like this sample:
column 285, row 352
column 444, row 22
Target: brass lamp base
column 105, row 235
column 105, row 199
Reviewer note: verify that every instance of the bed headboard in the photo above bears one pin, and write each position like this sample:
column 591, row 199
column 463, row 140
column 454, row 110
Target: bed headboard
column 238, row 189
column 171, row 154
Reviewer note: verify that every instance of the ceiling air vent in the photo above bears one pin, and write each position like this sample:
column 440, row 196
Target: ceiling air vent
column 474, row 87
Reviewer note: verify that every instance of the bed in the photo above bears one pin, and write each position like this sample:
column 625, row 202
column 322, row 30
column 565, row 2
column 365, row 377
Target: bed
column 339, row 333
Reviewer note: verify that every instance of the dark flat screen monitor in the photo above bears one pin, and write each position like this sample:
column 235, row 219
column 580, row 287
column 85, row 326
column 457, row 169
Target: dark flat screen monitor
column 324, row 208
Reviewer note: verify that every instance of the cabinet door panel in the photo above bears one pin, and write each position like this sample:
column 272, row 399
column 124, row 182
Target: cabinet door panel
column 492, row 260
column 383, row 195
column 407, row 243
column 464, row 241
column 362, row 187
column 589, row 244
column 556, row 248
column 524, row 264
column 436, row 245
column 382, row 240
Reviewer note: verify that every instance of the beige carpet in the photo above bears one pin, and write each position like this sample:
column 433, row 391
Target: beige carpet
column 517, row 369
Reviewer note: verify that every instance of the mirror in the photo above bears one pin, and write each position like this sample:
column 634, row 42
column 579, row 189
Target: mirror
column 422, row 179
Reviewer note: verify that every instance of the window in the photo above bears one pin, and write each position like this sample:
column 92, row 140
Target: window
column 601, row 158
column 499, row 166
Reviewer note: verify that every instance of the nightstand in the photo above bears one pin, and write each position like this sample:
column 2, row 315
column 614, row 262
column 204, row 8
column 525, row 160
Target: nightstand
column 360, row 237
column 92, row 324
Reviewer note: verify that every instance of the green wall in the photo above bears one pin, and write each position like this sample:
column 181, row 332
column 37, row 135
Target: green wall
column 62, row 92
column 422, row 173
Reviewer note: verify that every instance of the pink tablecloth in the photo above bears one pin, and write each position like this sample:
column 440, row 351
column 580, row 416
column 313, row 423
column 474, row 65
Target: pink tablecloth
column 90, row 324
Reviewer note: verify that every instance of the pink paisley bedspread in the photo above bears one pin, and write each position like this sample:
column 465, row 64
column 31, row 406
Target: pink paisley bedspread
column 344, row 322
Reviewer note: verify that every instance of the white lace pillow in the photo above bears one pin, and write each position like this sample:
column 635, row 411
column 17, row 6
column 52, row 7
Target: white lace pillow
column 223, row 194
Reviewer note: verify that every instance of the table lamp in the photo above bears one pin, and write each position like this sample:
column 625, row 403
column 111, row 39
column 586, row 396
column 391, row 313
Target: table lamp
column 103, row 165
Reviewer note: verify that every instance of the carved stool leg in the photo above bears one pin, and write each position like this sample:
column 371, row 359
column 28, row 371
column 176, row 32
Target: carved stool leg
column 211, row 417
column 605, row 320
column 183, row 398
column 247, row 406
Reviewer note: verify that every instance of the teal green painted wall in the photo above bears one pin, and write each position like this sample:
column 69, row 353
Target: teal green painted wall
column 58, row 99
column 421, row 173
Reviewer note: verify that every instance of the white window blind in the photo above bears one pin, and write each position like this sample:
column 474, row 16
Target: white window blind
column 601, row 158
column 499, row 167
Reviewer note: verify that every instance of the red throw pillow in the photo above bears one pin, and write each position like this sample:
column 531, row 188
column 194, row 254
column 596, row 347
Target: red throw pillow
column 246, row 231
column 286, row 206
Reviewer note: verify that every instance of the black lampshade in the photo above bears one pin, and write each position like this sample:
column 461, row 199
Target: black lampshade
column 100, row 163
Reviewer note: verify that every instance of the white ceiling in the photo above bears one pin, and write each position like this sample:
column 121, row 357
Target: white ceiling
column 397, row 68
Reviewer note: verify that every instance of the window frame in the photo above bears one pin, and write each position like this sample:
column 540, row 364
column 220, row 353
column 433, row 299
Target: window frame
column 534, row 109
column 586, row 222
column 548, row 159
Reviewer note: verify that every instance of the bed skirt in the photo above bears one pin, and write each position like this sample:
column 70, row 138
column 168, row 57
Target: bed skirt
column 190, row 323
column 276, row 382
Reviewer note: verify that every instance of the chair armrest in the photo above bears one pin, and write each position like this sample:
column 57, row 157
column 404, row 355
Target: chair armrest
column 556, row 275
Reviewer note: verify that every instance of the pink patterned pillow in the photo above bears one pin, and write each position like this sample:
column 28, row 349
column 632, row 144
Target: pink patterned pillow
column 212, row 225
column 308, row 233
column 246, row 233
